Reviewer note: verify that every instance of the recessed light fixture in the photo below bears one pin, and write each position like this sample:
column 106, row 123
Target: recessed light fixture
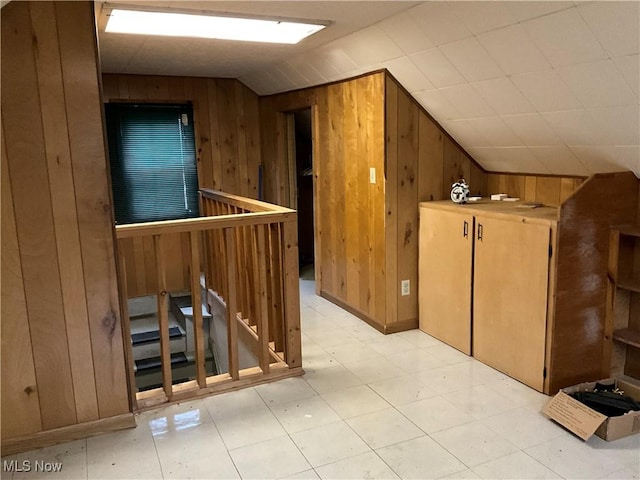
column 204, row 25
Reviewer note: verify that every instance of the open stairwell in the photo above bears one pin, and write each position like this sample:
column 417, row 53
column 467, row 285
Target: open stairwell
column 145, row 340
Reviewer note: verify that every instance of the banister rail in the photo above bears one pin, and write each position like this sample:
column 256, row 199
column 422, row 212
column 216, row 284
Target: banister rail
column 244, row 253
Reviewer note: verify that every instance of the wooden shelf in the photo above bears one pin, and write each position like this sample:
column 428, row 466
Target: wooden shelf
column 629, row 284
column 629, row 336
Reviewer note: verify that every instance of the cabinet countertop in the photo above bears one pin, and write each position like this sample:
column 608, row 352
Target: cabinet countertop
column 509, row 210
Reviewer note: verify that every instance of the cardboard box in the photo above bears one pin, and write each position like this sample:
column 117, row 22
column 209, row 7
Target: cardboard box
column 584, row 421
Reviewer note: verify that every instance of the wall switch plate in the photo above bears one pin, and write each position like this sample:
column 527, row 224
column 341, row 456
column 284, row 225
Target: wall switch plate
column 372, row 175
column 405, row 287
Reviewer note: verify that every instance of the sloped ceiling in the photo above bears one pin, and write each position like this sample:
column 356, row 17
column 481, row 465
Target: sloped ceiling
column 537, row 87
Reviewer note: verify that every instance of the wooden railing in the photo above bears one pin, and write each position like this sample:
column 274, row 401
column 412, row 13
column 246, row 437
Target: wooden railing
column 244, row 253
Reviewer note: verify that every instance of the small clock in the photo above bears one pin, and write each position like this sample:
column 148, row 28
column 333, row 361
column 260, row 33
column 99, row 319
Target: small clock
column 460, row 191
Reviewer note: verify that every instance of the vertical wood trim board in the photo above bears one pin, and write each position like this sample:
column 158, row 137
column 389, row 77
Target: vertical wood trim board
column 62, row 356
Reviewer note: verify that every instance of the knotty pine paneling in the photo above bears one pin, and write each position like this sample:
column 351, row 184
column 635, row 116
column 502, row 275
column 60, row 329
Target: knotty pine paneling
column 422, row 162
column 228, row 150
column 348, row 140
column 533, row 188
column 62, row 351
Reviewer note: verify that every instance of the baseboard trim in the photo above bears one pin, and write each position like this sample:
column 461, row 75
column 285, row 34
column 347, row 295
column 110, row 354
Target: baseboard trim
column 351, row 310
column 402, row 326
column 11, row 446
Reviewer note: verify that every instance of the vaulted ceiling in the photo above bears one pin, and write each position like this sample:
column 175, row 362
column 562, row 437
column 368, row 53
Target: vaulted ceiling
column 524, row 86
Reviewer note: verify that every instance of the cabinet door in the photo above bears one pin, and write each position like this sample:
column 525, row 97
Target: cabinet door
column 510, row 297
column 445, row 261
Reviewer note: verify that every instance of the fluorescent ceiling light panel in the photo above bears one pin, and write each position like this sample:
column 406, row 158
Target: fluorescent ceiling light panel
column 209, row 26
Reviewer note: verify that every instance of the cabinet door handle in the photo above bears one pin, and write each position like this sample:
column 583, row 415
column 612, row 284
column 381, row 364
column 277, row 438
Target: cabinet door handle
column 480, row 231
column 465, row 231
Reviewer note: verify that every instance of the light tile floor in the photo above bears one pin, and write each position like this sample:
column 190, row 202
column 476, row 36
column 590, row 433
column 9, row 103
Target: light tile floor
column 369, row 406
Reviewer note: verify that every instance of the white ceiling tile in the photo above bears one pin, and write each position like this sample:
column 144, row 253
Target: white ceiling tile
column 597, row 159
column 520, row 160
column 496, row 132
column 471, row 60
column 406, row 33
column 481, row 17
column 503, row 96
column 332, row 60
column 513, row 50
column 629, row 67
column 311, row 73
column 465, row 133
column 299, row 80
column 629, row 156
column 467, row 101
column 575, row 127
column 620, row 125
column 437, row 105
column 439, row 23
column 564, row 38
column 597, row 84
column 437, row 68
column 408, row 74
column 532, row 129
column 546, row 91
column 369, row 46
column 485, row 156
column 527, row 10
column 282, row 78
column 560, row 160
column 615, row 24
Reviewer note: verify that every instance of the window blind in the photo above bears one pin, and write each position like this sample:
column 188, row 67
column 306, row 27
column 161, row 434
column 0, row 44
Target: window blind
column 153, row 162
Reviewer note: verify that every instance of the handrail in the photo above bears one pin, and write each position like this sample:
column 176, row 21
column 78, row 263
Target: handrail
column 198, row 224
column 249, row 204
column 246, row 252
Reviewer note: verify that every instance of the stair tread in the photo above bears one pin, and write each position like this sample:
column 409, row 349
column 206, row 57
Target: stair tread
column 151, row 336
column 156, row 362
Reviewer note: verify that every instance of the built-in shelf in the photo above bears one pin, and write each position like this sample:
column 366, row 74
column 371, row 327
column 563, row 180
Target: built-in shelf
column 629, row 336
column 630, row 284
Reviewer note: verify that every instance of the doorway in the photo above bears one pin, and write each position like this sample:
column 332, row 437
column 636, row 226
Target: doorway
column 301, row 184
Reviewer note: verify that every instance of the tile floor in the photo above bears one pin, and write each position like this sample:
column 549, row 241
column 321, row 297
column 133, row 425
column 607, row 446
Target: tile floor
column 369, row 406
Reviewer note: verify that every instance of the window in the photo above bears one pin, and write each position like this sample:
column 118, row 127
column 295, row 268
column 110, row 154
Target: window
column 153, row 162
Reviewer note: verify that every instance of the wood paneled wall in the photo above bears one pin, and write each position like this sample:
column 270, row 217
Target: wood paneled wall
column 419, row 161
column 422, row 163
column 62, row 351
column 228, row 151
column 533, row 188
column 348, row 140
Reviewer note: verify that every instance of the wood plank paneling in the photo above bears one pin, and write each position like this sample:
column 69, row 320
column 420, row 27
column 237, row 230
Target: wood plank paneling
column 34, row 218
column 56, row 138
column 407, row 212
column 59, row 298
column 348, row 121
column 391, row 201
column 550, row 190
column 578, row 326
column 84, row 116
column 428, row 162
column 20, row 403
column 227, row 134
